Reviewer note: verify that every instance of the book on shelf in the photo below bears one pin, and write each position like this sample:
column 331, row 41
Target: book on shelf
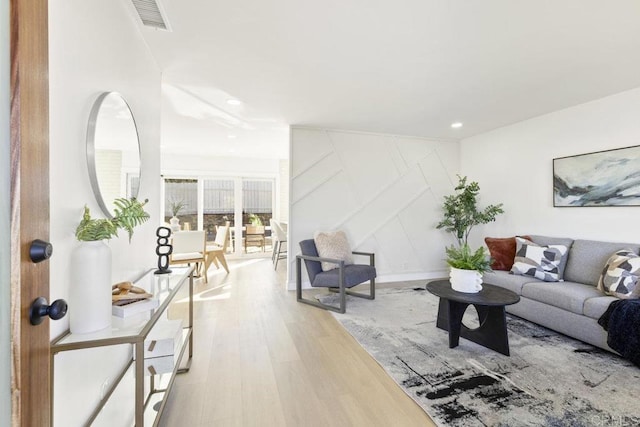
column 129, row 307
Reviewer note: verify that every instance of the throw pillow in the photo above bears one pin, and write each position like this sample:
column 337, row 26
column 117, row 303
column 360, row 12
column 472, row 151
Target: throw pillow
column 620, row 275
column 333, row 244
column 503, row 251
column 541, row 262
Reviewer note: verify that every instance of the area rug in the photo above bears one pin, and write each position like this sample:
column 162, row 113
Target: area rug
column 549, row 379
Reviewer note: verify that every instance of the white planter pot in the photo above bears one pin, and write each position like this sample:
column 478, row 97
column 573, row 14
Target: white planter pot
column 175, row 224
column 468, row 281
column 90, row 288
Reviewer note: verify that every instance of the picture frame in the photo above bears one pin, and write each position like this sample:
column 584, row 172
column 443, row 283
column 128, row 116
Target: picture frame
column 601, row 178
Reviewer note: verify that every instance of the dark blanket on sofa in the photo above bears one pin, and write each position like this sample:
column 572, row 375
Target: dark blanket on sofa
column 622, row 322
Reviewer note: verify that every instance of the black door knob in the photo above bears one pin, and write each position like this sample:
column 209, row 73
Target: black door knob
column 40, row 308
column 40, row 250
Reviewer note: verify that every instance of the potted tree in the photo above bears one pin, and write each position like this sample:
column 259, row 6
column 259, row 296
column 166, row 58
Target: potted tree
column 90, row 287
column 461, row 214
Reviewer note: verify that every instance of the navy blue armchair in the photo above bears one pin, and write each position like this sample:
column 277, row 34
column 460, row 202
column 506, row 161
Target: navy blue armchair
column 340, row 279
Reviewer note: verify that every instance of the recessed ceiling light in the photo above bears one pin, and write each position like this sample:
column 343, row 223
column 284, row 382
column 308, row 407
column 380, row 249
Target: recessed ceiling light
column 456, row 125
column 232, row 136
column 234, row 102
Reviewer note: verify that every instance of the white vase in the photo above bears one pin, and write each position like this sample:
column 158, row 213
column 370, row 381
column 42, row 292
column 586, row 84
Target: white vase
column 468, row 281
column 175, row 224
column 90, row 288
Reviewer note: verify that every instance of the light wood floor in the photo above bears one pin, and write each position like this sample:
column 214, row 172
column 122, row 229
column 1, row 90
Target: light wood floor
column 262, row 359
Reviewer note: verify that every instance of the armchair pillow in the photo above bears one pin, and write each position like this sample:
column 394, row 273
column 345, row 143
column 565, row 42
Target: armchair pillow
column 333, row 244
column 541, row 262
column 620, row 275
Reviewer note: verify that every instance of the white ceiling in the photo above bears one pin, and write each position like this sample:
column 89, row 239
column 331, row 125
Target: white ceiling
column 407, row 67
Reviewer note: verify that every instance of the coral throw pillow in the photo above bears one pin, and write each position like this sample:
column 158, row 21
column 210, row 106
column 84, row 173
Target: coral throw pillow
column 503, row 251
column 333, row 244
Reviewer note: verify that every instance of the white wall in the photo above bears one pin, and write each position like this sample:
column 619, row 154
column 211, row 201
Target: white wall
column 385, row 191
column 185, row 164
column 95, row 46
column 514, row 164
column 5, row 243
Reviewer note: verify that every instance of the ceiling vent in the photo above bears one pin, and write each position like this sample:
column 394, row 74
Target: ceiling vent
column 152, row 14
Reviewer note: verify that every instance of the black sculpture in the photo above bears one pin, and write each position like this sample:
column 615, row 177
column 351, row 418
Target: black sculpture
column 163, row 250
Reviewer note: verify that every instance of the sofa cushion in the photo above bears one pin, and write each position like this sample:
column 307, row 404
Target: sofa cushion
column 506, row 280
column 541, row 262
column 587, row 258
column 503, row 251
column 595, row 307
column 568, row 296
column 546, row 241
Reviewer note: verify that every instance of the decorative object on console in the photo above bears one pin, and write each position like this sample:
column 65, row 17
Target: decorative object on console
column 620, row 275
column 502, row 251
column 461, row 214
column 163, row 250
column 333, row 244
column 90, row 288
column 541, row 262
column 176, row 207
column 603, row 178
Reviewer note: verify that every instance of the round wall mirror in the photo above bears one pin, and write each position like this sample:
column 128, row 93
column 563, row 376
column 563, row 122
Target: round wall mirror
column 113, row 151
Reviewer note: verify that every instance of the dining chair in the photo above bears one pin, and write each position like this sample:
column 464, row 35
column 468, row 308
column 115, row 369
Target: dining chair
column 189, row 247
column 254, row 236
column 280, row 245
column 217, row 249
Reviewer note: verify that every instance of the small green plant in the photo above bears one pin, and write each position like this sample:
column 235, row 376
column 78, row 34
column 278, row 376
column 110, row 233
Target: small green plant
column 465, row 259
column 177, row 206
column 129, row 213
column 255, row 220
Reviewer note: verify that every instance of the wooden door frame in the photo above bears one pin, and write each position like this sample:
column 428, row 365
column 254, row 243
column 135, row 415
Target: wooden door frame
column 29, row 217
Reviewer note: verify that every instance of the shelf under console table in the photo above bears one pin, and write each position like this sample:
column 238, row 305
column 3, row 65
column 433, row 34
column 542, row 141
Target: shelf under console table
column 168, row 290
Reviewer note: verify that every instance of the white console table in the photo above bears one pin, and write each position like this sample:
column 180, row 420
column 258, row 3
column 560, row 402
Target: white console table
column 149, row 405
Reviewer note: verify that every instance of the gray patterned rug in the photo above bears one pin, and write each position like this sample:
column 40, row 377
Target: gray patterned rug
column 549, row 380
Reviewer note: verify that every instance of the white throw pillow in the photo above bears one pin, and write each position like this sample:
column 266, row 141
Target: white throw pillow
column 333, row 244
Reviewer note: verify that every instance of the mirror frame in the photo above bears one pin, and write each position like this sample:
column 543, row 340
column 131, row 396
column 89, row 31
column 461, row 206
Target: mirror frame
column 91, row 149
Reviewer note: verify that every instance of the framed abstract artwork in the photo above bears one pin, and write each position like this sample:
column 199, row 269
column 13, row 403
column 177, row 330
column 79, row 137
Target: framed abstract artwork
column 603, row 178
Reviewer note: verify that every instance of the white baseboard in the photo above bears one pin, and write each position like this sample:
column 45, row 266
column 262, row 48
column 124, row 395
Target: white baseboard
column 387, row 278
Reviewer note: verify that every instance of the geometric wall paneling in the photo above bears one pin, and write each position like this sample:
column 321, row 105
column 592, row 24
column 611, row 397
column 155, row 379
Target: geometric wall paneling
column 316, row 175
column 312, row 146
column 386, row 205
column 398, row 253
column 413, row 150
column 330, row 204
column 384, row 191
column 360, row 154
column 419, row 220
column 437, row 177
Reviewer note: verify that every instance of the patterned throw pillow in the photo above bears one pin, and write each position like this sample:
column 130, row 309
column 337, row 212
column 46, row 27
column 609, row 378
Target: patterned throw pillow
column 333, row 244
column 620, row 275
column 541, row 262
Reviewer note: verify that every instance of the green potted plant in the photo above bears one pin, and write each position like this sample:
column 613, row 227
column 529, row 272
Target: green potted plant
column 461, row 214
column 90, row 287
column 176, row 207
